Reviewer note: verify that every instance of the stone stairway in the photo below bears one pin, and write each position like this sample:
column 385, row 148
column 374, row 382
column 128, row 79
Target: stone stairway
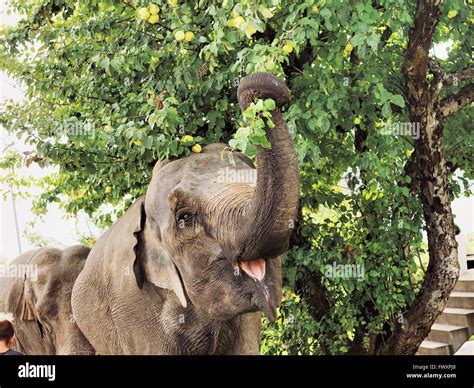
column 456, row 324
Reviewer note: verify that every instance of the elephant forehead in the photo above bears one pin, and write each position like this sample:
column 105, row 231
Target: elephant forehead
column 206, row 171
column 201, row 178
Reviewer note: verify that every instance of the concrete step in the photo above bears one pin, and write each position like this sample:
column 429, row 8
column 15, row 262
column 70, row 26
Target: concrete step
column 461, row 299
column 458, row 317
column 449, row 334
column 465, row 282
column 466, row 350
column 433, row 348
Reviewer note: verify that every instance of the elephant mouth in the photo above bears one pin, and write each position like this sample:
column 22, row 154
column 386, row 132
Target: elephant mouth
column 260, row 298
column 255, row 268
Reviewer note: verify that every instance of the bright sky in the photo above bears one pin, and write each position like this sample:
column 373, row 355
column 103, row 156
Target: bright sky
column 54, row 225
column 61, row 230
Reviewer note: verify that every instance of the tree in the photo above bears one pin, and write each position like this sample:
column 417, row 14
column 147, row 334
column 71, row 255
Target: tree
column 427, row 108
column 376, row 120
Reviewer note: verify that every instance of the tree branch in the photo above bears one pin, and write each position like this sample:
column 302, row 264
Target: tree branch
column 455, row 102
column 463, row 75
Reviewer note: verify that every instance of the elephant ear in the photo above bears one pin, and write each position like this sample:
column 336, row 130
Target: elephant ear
column 156, row 267
column 25, row 308
column 129, row 243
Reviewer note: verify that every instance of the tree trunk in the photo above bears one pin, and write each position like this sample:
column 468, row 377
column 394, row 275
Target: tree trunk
column 432, row 173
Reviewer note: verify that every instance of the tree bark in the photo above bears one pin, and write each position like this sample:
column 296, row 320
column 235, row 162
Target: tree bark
column 427, row 111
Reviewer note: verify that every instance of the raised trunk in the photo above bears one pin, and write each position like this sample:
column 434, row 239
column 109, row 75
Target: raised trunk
column 271, row 214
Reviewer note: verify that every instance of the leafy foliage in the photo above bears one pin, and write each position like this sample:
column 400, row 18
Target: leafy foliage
column 258, row 115
column 110, row 91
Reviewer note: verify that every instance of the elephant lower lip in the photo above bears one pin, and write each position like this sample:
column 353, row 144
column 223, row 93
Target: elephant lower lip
column 262, row 300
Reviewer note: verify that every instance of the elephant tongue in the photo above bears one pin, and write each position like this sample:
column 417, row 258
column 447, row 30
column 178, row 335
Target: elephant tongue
column 254, row 268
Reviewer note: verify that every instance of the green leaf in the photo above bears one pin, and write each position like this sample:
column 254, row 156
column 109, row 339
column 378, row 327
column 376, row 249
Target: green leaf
column 398, row 100
column 386, row 110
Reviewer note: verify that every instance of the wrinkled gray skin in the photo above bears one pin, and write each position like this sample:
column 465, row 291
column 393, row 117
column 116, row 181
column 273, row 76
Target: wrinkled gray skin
column 41, row 304
column 166, row 277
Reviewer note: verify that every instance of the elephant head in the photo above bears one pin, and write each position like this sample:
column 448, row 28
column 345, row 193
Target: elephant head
column 205, row 231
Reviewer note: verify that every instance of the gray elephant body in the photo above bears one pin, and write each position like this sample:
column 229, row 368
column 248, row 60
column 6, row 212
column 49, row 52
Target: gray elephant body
column 187, row 268
column 41, row 304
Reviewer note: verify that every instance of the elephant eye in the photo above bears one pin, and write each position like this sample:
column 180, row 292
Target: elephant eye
column 184, row 218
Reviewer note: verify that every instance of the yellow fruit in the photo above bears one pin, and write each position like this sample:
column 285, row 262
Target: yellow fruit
column 315, row 9
column 287, row 48
column 196, row 148
column 179, row 35
column 154, row 19
column 357, row 121
column 137, row 142
column 108, row 190
column 187, row 138
column 348, row 48
column 155, row 59
column 250, row 30
column 173, row 3
column 238, row 21
column 153, row 9
column 143, row 13
column 189, row 36
column 452, row 14
column 231, row 22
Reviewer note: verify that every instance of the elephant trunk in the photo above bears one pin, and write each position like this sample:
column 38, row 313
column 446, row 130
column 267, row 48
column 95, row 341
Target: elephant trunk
column 270, row 215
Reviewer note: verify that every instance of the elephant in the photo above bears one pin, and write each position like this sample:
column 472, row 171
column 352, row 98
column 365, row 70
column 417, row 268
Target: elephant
column 37, row 291
column 190, row 265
